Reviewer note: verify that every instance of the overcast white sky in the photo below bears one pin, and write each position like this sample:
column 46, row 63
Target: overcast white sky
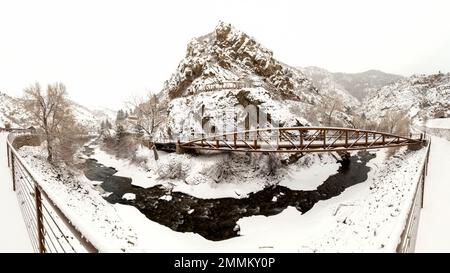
column 106, row 51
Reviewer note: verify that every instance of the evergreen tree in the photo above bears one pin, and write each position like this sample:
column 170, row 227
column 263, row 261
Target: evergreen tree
column 138, row 130
column 120, row 116
column 108, row 124
column 120, row 133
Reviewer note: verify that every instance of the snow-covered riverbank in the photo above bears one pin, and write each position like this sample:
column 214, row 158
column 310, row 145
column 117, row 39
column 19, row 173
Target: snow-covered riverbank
column 82, row 204
column 366, row 217
column 218, row 175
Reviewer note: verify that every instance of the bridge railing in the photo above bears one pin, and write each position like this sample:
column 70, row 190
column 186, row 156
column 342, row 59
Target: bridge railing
column 49, row 229
column 409, row 234
column 306, row 139
column 296, row 132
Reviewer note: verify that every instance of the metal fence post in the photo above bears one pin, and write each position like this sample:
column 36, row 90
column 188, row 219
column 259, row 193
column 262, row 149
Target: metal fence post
column 7, row 153
column 39, row 219
column 423, row 187
column 13, row 172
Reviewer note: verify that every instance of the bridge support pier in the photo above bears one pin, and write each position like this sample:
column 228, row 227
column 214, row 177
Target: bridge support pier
column 178, row 148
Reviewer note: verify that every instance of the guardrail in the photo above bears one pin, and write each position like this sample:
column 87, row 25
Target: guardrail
column 409, row 234
column 9, row 129
column 439, row 132
column 48, row 227
column 216, row 86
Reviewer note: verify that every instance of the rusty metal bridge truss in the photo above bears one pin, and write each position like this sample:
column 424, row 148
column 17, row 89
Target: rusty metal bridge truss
column 299, row 139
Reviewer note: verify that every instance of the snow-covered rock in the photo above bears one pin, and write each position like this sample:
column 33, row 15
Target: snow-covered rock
column 421, row 96
column 129, row 196
column 225, row 71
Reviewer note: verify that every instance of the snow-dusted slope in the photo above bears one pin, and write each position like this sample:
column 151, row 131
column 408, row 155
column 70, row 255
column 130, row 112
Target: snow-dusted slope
column 327, row 84
column 422, row 96
column 228, row 68
column 89, row 118
column 350, row 85
column 103, row 113
column 11, row 111
column 363, row 84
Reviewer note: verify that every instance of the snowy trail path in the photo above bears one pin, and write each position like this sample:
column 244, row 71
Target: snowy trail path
column 13, row 233
column 434, row 223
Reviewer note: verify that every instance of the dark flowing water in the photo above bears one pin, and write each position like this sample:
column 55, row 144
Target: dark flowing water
column 215, row 219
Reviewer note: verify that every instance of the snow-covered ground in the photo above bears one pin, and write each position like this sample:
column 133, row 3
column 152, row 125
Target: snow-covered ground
column 439, row 123
column 434, row 224
column 370, row 217
column 366, row 217
column 13, row 233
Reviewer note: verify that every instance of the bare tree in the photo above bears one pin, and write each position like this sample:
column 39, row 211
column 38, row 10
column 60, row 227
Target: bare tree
column 362, row 122
column 51, row 111
column 148, row 114
column 328, row 106
column 395, row 122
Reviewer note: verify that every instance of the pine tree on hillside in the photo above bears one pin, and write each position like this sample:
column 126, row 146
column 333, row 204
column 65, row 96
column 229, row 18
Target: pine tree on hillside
column 120, row 116
column 120, row 133
column 108, row 124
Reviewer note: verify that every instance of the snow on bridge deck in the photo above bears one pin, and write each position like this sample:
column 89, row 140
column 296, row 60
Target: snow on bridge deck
column 13, row 233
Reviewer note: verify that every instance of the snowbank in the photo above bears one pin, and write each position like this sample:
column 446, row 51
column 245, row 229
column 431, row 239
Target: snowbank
column 443, row 123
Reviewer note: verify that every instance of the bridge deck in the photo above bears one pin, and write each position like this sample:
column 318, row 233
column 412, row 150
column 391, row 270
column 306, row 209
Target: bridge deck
column 299, row 139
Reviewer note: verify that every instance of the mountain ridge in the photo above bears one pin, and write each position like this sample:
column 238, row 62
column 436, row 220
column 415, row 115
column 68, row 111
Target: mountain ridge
column 358, row 85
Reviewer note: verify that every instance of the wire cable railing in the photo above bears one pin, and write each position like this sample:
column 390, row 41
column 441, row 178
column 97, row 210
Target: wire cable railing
column 49, row 229
column 409, row 234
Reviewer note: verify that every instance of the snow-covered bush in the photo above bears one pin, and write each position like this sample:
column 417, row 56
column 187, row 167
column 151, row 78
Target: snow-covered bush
column 266, row 163
column 218, row 171
column 173, row 166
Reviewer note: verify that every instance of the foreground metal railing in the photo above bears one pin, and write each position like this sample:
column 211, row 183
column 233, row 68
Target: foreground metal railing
column 409, row 234
column 49, row 229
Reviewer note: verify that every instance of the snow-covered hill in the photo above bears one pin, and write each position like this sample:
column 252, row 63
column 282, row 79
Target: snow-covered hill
column 12, row 112
column 350, row 85
column 422, row 96
column 91, row 118
column 327, row 84
column 228, row 68
column 103, row 113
